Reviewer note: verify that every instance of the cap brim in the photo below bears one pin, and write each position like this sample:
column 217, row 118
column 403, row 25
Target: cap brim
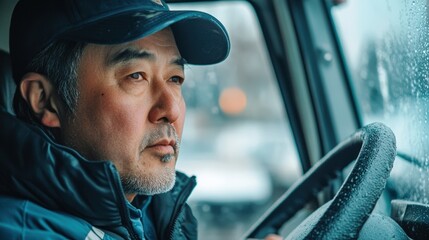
column 200, row 38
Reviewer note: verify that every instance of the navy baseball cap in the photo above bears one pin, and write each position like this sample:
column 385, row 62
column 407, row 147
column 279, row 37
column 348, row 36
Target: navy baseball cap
column 200, row 37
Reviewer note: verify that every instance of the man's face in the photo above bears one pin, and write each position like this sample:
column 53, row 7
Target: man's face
column 131, row 110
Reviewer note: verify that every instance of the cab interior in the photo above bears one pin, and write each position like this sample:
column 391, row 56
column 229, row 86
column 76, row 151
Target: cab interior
column 321, row 105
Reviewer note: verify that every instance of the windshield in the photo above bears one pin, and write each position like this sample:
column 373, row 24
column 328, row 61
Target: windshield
column 386, row 49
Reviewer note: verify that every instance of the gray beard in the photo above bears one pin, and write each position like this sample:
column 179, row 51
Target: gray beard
column 149, row 184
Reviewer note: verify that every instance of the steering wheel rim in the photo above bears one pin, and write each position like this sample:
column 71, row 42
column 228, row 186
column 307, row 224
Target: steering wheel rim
column 375, row 148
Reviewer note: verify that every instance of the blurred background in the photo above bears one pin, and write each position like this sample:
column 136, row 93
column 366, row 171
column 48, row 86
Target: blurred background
column 237, row 138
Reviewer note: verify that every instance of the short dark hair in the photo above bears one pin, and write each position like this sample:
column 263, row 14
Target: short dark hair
column 59, row 63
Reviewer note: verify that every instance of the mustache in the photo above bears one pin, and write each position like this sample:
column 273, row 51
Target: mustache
column 164, row 130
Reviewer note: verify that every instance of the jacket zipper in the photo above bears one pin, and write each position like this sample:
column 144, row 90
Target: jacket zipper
column 123, row 207
column 184, row 194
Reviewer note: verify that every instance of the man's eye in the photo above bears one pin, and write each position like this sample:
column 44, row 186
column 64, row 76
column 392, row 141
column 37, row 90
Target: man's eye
column 177, row 80
column 136, row 76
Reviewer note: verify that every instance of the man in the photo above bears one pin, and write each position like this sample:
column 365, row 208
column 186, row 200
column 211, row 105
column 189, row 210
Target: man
column 99, row 87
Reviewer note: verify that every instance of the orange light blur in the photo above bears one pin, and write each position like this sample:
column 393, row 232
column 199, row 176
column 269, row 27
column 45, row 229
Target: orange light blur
column 232, row 101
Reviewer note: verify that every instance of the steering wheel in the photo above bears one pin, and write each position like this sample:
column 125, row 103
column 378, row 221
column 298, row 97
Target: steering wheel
column 342, row 217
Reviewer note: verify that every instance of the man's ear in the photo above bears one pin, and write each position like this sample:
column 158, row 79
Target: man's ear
column 40, row 95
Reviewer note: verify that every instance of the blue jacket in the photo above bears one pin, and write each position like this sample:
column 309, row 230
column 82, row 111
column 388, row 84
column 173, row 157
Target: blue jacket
column 49, row 191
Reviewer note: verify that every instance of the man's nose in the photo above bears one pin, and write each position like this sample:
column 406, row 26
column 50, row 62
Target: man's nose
column 167, row 107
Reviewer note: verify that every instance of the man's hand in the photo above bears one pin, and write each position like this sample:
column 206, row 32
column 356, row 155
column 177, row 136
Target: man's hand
column 273, row 237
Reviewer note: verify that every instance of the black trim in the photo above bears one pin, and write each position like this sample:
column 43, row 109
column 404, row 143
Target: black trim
column 342, row 63
column 270, row 30
column 323, row 115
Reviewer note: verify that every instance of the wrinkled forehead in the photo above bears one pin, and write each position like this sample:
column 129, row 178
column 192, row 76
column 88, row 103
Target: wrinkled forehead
column 159, row 48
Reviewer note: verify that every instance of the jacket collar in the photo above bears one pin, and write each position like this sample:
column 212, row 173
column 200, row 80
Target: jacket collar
column 34, row 167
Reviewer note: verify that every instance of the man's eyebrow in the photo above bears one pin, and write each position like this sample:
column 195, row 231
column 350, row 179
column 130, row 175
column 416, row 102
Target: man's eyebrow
column 181, row 62
column 128, row 55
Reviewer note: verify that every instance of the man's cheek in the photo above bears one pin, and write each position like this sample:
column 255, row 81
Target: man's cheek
column 181, row 120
